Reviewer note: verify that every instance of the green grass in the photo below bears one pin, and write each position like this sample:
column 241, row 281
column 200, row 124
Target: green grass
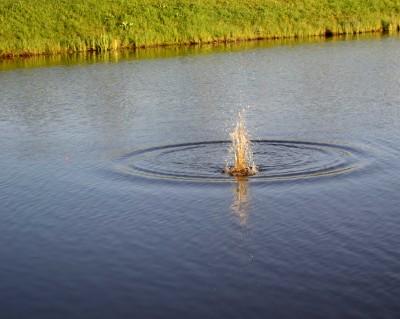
column 30, row 27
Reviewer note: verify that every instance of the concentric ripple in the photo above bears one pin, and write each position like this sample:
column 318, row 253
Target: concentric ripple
column 276, row 160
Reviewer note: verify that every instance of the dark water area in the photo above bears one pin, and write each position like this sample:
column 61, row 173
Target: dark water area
column 113, row 203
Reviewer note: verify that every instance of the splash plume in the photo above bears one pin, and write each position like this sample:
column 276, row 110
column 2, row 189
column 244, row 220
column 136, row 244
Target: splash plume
column 241, row 150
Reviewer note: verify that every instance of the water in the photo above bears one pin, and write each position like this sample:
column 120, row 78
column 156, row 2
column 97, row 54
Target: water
column 114, row 204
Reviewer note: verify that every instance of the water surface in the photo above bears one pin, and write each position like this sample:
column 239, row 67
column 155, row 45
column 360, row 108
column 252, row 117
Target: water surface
column 113, row 204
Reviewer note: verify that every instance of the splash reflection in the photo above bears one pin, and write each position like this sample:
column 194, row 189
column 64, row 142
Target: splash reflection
column 242, row 200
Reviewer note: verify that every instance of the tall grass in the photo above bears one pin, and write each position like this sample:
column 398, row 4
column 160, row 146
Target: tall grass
column 55, row 26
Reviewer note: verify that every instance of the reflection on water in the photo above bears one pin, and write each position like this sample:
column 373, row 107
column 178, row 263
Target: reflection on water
column 242, row 200
column 163, row 52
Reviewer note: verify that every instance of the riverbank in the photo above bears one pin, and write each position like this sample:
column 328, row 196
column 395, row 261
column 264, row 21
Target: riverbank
column 33, row 27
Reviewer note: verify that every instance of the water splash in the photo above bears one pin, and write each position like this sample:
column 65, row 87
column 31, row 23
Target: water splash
column 241, row 150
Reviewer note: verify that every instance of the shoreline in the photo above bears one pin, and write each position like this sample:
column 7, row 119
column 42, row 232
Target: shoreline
column 44, row 27
column 11, row 56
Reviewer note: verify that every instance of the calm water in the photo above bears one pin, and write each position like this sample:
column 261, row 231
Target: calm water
column 113, row 204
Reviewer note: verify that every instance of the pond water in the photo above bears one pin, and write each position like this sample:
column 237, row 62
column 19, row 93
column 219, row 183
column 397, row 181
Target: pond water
column 114, row 204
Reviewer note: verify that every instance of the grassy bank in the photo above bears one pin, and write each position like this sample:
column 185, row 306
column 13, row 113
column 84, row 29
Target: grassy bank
column 55, row 26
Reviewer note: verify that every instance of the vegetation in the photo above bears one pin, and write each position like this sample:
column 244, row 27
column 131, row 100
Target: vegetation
column 30, row 27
